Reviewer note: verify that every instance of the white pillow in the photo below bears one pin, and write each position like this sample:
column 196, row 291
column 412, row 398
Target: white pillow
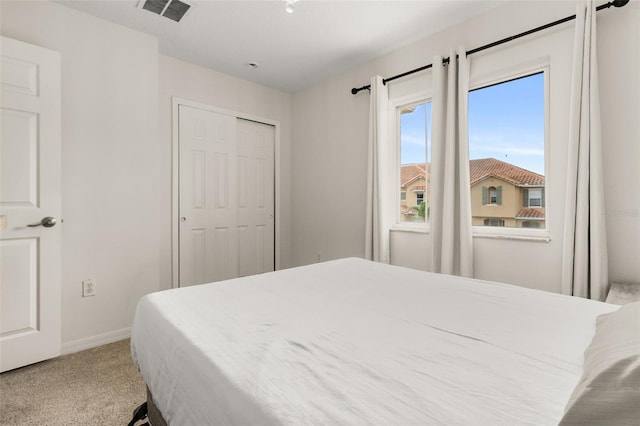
column 609, row 391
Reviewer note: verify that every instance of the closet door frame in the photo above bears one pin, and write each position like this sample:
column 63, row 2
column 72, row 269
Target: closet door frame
column 175, row 178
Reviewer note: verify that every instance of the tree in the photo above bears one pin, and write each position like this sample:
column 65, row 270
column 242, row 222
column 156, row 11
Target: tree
column 420, row 209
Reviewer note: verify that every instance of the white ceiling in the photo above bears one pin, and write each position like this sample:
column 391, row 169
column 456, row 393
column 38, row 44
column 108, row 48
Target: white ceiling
column 320, row 39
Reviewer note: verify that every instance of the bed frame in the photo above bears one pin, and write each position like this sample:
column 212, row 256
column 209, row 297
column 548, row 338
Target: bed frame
column 154, row 415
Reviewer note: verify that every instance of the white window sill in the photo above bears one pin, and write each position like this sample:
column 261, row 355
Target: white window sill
column 482, row 232
column 500, row 233
column 418, row 229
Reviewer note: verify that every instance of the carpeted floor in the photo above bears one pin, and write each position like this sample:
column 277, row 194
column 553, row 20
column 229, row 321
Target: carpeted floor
column 99, row 386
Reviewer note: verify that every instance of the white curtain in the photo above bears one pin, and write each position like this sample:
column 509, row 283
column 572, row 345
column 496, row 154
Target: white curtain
column 450, row 195
column 378, row 180
column 585, row 270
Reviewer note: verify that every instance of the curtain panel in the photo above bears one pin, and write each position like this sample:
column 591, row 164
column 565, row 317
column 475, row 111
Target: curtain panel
column 585, row 261
column 450, row 196
column 377, row 219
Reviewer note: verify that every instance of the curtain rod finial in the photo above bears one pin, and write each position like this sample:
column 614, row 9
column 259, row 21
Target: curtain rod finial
column 619, row 3
column 355, row 91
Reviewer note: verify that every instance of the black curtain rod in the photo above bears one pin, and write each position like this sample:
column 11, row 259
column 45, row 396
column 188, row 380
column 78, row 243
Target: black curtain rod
column 615, row 3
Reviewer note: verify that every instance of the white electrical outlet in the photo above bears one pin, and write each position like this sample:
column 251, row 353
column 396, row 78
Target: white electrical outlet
column 318, row 257
column 88, row 288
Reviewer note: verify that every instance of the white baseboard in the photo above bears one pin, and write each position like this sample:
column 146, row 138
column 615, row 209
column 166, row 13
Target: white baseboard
column 94, row 341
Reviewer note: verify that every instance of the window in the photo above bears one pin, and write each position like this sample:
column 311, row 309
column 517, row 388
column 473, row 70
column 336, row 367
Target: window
column 493, row 195
column 415, row 150
column 507, row 152
column 531, row 224
column 534, row 198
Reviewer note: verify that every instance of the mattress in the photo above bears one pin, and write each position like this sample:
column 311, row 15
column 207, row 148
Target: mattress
column 351, row 342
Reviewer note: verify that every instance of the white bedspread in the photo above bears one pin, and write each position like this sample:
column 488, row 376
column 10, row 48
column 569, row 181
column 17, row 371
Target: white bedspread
column 352, row 342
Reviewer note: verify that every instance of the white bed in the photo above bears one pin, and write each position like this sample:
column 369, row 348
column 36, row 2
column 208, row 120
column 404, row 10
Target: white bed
column 351, row 342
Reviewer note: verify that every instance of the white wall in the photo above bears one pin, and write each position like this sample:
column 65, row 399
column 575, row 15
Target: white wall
column 330, row 139
column 328, row 170
column 110, row 150
column 188, row 81
column 116, row 153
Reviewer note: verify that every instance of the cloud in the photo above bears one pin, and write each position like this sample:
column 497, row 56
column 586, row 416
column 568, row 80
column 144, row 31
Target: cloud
column 503, row 143
column 412, row 140
column 510, row 149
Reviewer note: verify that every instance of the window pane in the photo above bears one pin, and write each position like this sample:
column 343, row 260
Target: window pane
column 535, row 198
column 415, row 151
column 493, row 197
column 506, row 152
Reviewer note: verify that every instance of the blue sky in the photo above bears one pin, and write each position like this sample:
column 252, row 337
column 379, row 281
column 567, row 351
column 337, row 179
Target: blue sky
column 413, row 129
column 506, row 122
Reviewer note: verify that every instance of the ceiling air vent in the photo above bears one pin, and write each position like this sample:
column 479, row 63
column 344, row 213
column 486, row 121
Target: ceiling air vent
column 172, row 9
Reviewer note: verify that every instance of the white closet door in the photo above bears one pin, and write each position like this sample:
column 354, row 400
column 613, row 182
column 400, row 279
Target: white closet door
column 30, row 256
column 255, row 197
column 226, row 196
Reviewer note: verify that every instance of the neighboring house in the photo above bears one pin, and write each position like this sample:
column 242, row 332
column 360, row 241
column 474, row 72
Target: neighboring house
column 501, row 194
column 413, row 191
column 505, row 195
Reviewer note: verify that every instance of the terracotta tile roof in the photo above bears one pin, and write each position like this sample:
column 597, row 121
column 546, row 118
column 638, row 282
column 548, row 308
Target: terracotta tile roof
column 530, row 213
column 485, row 167
column 478, row 170
column 411, row 172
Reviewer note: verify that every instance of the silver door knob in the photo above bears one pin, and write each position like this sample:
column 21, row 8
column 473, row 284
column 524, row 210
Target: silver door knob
column 47, row 222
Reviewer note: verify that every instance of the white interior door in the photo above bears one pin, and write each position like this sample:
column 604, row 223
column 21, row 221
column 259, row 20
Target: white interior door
column 255, row 142
column 226, row 196
column 30, row 256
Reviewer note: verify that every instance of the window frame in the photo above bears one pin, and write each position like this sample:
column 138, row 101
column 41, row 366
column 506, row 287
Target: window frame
column 395, row 105
column 408, row 93
column 503, row 76
column 499, row 221
column 528, row 222
column 493, row 195
column 529, row 197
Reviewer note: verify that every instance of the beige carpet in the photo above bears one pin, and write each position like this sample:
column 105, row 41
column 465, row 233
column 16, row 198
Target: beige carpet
column 99, row 386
